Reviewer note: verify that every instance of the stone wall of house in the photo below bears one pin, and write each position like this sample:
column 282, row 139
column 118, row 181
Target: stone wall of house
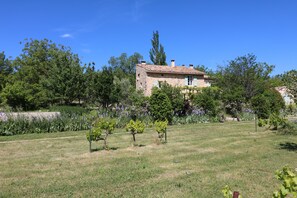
column 172, row 79
column 141, row 79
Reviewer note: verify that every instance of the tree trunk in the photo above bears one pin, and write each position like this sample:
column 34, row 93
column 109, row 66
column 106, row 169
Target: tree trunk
column 134, row 140
column 105, row 141
column 165, row 136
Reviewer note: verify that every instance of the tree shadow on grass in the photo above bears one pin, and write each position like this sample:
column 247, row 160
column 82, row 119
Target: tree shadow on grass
column 289, row 146
column 103, row 149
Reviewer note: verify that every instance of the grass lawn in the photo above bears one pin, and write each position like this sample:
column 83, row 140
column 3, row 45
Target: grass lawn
column 198, row 161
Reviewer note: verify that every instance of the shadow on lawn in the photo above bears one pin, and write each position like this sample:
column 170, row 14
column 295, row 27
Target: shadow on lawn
column 103, row 149
column 289, row 146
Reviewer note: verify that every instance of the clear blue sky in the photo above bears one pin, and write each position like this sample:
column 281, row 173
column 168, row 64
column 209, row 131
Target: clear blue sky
column 208, row 32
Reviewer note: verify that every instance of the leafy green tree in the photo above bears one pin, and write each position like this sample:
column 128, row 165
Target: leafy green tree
column 157, row 53
column 261, row 106
column 160, row 106
column 50, row 74
column 161, row 128
column 90, row 79
column 175, row 96
column 204, row 69
column 242, row 79
column 275, row 99
column 124, row 66
column 108, row 125
column 270, row 102
column 135, row 127
column 6, row 70
column 105, row 87
column 66, row 82
column 208, row 100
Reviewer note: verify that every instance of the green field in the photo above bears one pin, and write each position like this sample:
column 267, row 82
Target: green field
column 198, row 161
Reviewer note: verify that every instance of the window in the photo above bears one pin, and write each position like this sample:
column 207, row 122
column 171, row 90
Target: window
column 190, row 80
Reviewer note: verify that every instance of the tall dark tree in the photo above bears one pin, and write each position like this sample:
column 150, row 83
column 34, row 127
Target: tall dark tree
column 6, row 69
column 105, row 87
column 90, row 77
column 157, row 53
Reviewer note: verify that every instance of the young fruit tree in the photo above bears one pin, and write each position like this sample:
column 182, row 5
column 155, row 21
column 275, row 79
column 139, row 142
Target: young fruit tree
column 161, row 128
column 94, row 134
column 135, row 127
column 108, row 125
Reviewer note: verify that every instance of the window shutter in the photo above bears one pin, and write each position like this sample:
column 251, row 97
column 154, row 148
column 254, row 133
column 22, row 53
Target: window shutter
column 155, row 84
column 186, row 80
column 195, row 81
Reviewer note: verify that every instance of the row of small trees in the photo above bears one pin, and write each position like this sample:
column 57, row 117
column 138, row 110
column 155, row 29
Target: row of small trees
column 103, row 127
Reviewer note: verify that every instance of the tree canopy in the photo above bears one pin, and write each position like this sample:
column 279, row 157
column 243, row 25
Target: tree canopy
column 157, row 53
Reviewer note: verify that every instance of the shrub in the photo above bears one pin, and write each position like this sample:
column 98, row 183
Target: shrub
column 69, row 110
column 161, row 128
column 288, row 177
column 275, row 121
column 289, row 128
column 108, row 125
column 261, row 106
column 135, row 127
column 208, row 100
column 262, row 122
column 291, row 109
column 160, row 106
column 175, row 96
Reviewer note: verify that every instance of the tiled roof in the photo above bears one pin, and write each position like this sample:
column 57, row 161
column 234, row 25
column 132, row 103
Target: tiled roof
column 161, row 69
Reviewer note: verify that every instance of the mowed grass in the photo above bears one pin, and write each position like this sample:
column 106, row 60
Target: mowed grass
column 198, row 161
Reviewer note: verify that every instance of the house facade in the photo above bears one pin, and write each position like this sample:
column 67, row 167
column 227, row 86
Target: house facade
column 149, row 76
column 284, row 92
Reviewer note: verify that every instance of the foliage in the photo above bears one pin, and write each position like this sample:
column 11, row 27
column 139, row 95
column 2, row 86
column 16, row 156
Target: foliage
column 161, row 128
column 22, row 125
column 288, row 177
column 124, row 66
column 208, row 100
column 276, row 121
column 135, row 127
column 175, row 96
column 104, row 87
column 108, row 125
column 242, row 79
column 262, row 122
column 6, row 70
column 94, row 134
column 48, row 72
column 228, row 193
column 160, row 106
column 276, row 101
column 69, row 110
column 290, row 80
column 261, row 106
column 288, row 128
column 291, row 109
column 157, row 53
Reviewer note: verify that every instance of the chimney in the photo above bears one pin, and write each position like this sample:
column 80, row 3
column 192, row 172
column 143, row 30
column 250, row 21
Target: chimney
column 143, row 63
column 191, row 66
column 183, row 65
column 172, row 63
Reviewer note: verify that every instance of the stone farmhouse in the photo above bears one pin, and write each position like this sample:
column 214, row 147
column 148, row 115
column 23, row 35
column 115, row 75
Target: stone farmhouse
column 149, row 76
column 288, row 98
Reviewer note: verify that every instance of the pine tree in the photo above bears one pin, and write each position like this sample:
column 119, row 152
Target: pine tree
column 157, row 53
